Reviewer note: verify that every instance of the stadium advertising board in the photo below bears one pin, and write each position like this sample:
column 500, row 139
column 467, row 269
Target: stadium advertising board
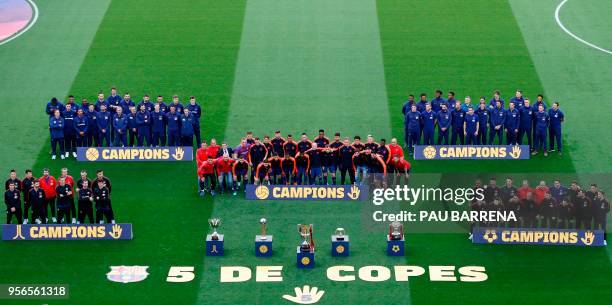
column 306, row 192
column 114, row 154
column 471, row 152
column 67, row 232
column 562, row 237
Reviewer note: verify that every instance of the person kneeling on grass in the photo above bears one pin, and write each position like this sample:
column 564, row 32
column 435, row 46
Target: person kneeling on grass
column 206, row 174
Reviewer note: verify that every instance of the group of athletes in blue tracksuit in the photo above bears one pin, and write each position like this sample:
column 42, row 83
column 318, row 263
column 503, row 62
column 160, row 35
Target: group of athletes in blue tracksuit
column 484, row 123
column 119, row 121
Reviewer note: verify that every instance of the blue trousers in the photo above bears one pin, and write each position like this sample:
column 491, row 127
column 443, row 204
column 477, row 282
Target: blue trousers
column 497, row 133
column 443, row 135
column 120, row 139
column 457, row 134
column 413, row 138
column 159, row 138
column 174, row 137
column 471, row 138
column 104, row 137
column 144, row 135
column 428, row 137
column 554, row 135
column 481, row 138
column 521, row 134
column 511, row 137
column 540, row 139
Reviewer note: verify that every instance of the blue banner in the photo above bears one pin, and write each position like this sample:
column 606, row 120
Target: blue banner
column 306, row 192
column 471, row 152
column 118, row 154
column 594, row 238
column 67, row 232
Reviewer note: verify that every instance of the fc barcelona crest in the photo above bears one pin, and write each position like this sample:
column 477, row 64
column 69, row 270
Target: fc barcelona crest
column 127, row 274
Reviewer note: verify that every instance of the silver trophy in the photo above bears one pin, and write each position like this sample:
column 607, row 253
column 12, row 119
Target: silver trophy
column 214, row 224
column 396, row 231
column 305, row 230
column 263, row 222
column 340, row 234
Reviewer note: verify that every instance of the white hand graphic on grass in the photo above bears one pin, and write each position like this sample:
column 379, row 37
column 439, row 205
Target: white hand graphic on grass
column 305, row 295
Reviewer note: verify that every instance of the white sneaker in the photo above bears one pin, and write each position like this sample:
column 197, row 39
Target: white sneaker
column 53, row 157
column 74, row 154
column 113, row 221
column 62, row 156
column 54, row 219
column 25, row 221
column 605, row 243
column 38, row 221
column 78, row 222
column 67, row 154
column 101, row 222
column 74, row 221
column 471, row 236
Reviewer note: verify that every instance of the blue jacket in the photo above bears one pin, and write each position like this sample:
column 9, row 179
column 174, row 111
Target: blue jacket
column 81, row 124
column 173, row 120
column 498, row 117
column 100, row 103
column 537, row 105
column 542, row 120
column 92, row 121
column 113, row 101
column 556, row 117
column 143, row 120
column 429, row 120
column 57, row 127
column 513, row 119
column 120, row 123
column 178, row 107
column 187, row 125
column 159, row 121
column 421, row 106
column 69, row 122
column 126, row 105
column 407, row 107
column 471, row 120
column 526, row 117
column 131, row 120
column 444, row 119
column 50, row 109
column 413, row 121
column 483, row 118
column 162, row 107
column 436, row 103
column 104, row 120
column 492, row 103
column 196, row 111
column 148, row 106
column 518, row 102
column 457, row 118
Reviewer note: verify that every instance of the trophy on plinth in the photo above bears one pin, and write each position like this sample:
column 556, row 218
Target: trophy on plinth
column 395, row 239
column 214, row 241
column 263, row 242
column 306, row 249
column 340, row 243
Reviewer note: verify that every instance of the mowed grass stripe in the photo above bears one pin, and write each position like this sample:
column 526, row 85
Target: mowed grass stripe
column 304, row 65
column 152, row 47
column 30, row 75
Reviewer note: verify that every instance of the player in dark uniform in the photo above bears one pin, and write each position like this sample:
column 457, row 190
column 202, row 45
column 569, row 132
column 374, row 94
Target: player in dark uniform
column 268, row 145
column 290, row 147
column 583, row 210
column 566, row 213
column 277, row 144
column 106, row 182
column 64, row 201
column 240, row 170
column 333, row 157
column 262, row 174
column 12, row 180
column 316, row 165
column 322, row 144
column 12, row 199
column 289, row 170
column 550, row 211
column 85, row 202
column 601, row 208
column 103, row 205
column 276, row 173
column 302, row 162
column 304, row 144
column 345, row 161
column 361, row 169
column 529, row 211
column 27, row 184
column 514, row 205
column 37, row 199
column 257, row 154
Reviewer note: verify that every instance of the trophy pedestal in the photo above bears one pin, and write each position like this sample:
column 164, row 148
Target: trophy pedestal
column 305, row 260
column 339, row 247
column 214, row 247
column 263, row 246
column 395, row 247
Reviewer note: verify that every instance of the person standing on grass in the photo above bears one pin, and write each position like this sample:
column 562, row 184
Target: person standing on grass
column 158, row 126
column 511, row 124
column 542, row 123
column 12, row 200
column 104, row 121
column 56, row 125
column 37, row 198
column 143, row 121
column 444, row 123
column 429, row 125
column 196, row 111
column 92, row 125
column 48, row 184
column 187, row 128
column 81, row 127
column 471, row 127
column 457, row 120
column 437, row 101
column 498, row 117
column 526, row 123
column 206, row 174
column 601, row 208
column 120, row 126
column 518, row 99
column 554, row 132
column 173, row 121
column 257, row 154
column 85, row 203
column 412, row 128
column 64, row 201
column 27, row 184
column 69, row 131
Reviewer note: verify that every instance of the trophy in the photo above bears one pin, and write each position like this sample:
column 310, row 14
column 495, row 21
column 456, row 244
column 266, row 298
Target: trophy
column 340, row 243
column 263, row 223
column 306, row 233
column 396, row 231
column 214, row 241
column 214, row 224
column 340, row 234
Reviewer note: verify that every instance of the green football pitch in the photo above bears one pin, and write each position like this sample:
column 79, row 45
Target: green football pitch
column 297, row 66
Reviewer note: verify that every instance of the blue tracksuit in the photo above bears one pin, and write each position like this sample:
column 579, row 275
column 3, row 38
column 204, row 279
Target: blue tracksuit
column 81, row 124
column 518, row 102
column 511, row 124
column 412, row 129
column 143, row 123
column 483, row 122
column 542, row 122
column 113, row 101
column 100, row 103
column 104, row 122
column 436, row 104
column 162, row 107
column 554, row 131
column 50, row 109
column 148, row 106
column 498, row 118
column 125, row 105
column 174, row 128
column 69, row 131
column 526, row 125
column 471, row 122
column 178, row 107
column 187, row 123
column 132, row 128
column 92, row 121
column 120, row 125
column 444, row 121
column 196, row 111
column 56, row 125
column 421, row 106
column 457, row 118
column 429, row 125
column 158, row 130
column 493, row 104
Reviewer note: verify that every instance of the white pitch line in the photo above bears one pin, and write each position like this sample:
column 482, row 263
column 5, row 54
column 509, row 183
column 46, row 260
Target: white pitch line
column 35, row 11
column 557, row 10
